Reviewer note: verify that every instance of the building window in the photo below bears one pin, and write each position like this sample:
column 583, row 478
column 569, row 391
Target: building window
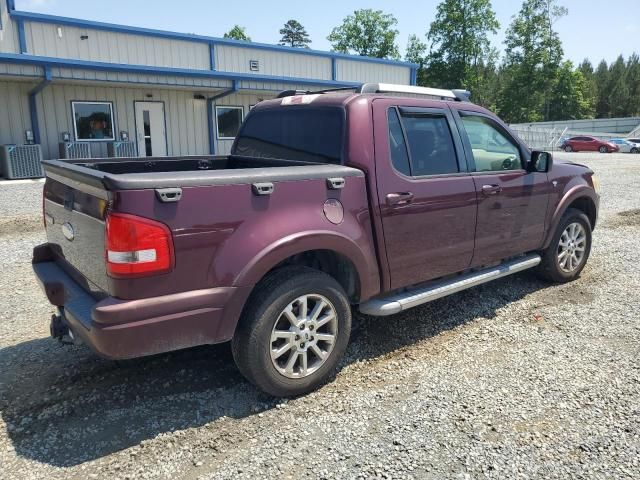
column 229, row 121
column 93, row 121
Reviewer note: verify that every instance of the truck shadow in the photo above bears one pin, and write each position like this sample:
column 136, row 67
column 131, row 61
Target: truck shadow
column 64, row 406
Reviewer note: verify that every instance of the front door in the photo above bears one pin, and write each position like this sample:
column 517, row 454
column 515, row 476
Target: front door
column 151, row 134
column 512, row 203
column 427, row 199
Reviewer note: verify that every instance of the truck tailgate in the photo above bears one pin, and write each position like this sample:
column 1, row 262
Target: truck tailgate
column 74, row 222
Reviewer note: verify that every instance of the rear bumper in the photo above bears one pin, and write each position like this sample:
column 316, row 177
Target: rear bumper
column 120, row 329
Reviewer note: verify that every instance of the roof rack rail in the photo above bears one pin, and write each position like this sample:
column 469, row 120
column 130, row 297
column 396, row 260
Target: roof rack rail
column 454, row 95
column 291, row 93
column 440, row 94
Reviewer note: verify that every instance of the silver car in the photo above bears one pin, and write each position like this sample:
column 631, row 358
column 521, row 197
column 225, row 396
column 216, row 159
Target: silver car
column 626, row 145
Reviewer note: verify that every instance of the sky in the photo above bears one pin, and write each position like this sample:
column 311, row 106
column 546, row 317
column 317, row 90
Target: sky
column 594, row 29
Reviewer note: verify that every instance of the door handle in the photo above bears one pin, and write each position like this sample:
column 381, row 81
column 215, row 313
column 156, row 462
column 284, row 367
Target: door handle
column 491, row 189
column 400, row 198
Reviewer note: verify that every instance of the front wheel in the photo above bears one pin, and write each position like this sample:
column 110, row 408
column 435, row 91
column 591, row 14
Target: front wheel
column 569, row 250
column 568, row 148
column 603, row 149
column 635, row 150
column 294, row 331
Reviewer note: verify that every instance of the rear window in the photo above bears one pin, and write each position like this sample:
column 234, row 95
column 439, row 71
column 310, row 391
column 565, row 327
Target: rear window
column 293, row 133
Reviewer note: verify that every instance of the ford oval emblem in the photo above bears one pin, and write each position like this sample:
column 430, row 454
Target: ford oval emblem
column 67, row 231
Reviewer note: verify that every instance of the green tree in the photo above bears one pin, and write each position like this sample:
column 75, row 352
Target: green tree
column 633, row 80
column 533, row 56
column 618, row 89
column 238, row 33
column 367, row 32
column 570, row 98
column 294, row 35
column 416, row 53
column 601, row 77
column 459, row 42
column 586, row 68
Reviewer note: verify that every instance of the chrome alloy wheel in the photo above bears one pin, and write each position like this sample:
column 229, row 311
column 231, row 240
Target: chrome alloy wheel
column 572, row 247
column 303, row 336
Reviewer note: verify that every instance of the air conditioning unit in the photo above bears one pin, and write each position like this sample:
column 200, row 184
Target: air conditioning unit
column 122, row 149
column 21, row 161
column 74, row 150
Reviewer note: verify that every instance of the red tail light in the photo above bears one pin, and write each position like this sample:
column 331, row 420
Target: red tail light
column 137, row 246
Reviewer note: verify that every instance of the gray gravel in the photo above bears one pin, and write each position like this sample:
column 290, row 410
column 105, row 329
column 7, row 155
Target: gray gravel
column 515, row 379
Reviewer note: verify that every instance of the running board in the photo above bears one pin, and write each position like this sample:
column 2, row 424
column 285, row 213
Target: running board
column 381, row 307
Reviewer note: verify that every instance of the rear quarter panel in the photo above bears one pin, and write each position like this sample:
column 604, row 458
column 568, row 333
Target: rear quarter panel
column 226, row 236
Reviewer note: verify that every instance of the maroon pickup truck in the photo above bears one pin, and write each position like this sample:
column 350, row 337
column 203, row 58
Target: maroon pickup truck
column 328, row 201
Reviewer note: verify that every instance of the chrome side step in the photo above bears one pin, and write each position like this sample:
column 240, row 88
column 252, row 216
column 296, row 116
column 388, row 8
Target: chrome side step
column 412, row 298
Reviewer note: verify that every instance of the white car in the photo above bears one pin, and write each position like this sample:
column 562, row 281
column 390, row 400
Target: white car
column 626, row 146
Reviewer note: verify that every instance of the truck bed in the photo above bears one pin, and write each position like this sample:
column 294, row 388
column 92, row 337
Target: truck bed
column 163, row 172
column 219, row 203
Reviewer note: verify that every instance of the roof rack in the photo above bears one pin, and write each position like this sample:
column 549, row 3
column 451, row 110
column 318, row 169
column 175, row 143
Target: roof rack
column 438, row 93
column 291, row 93
column 455, row 95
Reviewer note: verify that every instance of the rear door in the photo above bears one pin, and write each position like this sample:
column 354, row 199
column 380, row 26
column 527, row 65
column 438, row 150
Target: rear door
column 512, row 203
column 427, row 198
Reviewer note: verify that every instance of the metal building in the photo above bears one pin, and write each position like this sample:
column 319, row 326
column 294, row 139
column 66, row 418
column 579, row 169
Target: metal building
column 92, row 85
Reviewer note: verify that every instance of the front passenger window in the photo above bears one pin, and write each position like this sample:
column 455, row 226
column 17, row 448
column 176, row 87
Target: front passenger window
column 492, row 150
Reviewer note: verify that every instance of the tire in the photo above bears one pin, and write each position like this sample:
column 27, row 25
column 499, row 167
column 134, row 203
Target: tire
column 568, row 148
column 266, row 312
column 603, row 149
column 551, row 268
column 635, row 150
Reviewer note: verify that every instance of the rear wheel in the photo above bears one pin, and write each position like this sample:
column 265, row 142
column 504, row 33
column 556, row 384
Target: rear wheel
column 293, row 332
column 569, row 250
column 603, row 149
column 568, row 148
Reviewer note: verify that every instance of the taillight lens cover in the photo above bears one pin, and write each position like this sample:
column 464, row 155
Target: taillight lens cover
column 137, row 246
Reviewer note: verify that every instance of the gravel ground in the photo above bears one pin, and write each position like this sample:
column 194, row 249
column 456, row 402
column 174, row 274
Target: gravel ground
column 514, row 379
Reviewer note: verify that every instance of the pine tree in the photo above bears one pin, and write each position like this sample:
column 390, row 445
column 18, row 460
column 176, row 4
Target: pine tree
column 601, row 77
column 294, row 35
column 618, row 89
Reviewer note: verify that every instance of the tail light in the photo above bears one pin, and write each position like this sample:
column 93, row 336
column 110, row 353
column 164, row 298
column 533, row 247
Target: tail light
column 137, row 246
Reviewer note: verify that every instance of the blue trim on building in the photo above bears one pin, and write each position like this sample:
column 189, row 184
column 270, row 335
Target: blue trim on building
column 22, row 38
column 11, row 5
column 75, row 22
column 414, row 76
column 210, row 114
column 147, row 69
column 212, row 55
column 33, row 107
column 334, row 69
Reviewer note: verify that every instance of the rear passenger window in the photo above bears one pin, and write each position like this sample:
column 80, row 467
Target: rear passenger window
column 429, row 148
column 431, row 145
column 399, row 155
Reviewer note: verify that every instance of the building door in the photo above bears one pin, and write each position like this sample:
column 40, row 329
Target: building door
column 151, row 134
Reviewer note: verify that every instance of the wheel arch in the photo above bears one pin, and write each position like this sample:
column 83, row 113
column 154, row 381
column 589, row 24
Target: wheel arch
column 581, row 198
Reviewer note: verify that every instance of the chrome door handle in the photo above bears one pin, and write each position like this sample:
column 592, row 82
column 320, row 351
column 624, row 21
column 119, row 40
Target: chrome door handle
column 491, row 189
column 399, row 198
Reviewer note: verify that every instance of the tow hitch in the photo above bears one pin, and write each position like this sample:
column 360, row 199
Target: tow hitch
column 61, row 331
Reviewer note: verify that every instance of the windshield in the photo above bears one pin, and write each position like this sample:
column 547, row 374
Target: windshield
column 293, row 133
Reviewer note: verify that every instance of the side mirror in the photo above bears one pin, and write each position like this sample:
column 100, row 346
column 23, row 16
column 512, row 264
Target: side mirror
column 540, row 162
